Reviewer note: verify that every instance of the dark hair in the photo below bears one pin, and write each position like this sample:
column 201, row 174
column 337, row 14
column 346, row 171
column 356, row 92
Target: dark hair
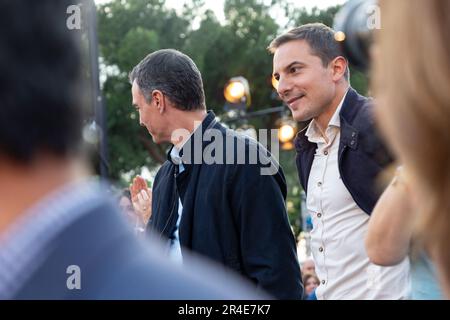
column 174, row 74
column 318, row 36
column 40, row 68
column 307, row 276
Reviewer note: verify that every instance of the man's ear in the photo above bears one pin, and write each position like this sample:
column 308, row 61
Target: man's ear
column 159, row 100
column 339, row 66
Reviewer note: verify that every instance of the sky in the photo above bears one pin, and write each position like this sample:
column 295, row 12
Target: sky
column 217, row 5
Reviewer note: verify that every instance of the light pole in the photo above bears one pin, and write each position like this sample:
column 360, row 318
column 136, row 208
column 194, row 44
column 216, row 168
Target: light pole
column 99, row 122
column 237, row 95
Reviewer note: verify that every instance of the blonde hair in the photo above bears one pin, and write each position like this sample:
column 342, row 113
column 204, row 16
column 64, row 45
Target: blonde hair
column 412, row 81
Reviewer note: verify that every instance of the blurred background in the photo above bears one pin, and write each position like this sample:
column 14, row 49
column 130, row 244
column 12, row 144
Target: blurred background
column 227, row 39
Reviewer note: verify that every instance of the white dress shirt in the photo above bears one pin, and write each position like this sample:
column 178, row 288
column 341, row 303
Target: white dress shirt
column 174, row 243
column 339, row 230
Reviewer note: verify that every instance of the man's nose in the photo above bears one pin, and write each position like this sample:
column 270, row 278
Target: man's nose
column 284, row 87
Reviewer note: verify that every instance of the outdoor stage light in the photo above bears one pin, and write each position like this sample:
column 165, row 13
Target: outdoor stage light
column 237, row 92
column 234, row 91
column 287, row 129
column 286, row 133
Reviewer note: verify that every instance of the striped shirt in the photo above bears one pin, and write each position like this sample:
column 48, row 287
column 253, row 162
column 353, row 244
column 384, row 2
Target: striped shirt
column 26, row 243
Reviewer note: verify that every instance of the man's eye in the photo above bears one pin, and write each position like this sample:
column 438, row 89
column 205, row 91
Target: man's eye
column 295, row 69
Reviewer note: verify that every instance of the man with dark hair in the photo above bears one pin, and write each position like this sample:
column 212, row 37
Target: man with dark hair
column 60, row 236
column 338, row 159
column 167, row 77
column 320, row 39
column 226, row 210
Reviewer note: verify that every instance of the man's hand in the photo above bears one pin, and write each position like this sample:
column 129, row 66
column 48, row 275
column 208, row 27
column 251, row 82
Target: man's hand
column 141, row 197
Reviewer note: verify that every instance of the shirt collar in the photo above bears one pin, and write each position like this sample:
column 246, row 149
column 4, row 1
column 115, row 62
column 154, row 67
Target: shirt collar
column 335, row 119
column 175, row 155
column 313, row 131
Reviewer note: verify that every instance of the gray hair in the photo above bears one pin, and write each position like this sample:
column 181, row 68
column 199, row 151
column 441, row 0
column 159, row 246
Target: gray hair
column 173, row 73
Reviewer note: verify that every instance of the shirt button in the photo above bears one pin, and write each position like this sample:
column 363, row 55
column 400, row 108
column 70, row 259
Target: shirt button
column 319, row 215
column 321, row 249
column 352, row 142
column 323, row 281
column 319, row 184
column 353, row 134
column 325, row 152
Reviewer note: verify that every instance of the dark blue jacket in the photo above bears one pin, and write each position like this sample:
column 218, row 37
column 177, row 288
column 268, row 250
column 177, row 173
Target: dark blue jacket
column 231, row 214
column 362, row 154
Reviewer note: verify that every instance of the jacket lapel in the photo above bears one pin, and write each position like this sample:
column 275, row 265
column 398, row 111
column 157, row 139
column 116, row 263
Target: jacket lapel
column 187, row 181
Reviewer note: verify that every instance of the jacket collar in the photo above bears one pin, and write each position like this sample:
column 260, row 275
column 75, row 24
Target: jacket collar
column 349, row 135
column 189, row 147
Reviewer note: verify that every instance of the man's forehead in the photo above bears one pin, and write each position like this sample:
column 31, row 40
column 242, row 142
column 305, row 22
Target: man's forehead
column 135, row 91
column 295, row 50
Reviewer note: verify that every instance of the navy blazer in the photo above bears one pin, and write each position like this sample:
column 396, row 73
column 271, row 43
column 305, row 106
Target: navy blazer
column 231, row 212
column 362, row 154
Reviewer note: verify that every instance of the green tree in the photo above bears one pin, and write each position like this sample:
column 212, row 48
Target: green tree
column 237, row 48
column 128, row 31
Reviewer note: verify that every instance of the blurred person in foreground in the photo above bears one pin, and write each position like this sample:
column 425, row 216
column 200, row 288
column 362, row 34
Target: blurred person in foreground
column 339, row 157
column 60, row 237
column 204, row 198
column 412, row 81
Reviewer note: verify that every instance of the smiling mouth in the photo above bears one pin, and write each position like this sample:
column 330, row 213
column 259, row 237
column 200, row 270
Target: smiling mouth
column 291, row 101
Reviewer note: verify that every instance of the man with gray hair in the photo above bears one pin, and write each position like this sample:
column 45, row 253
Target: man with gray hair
column 225, row 210
column 339, row 157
